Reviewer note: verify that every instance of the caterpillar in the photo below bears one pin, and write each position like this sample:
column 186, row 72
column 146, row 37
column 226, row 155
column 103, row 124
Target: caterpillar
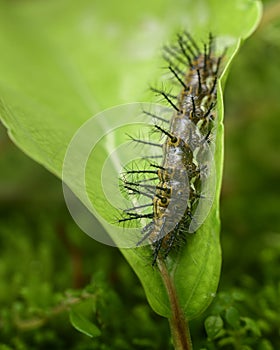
column 173, row 186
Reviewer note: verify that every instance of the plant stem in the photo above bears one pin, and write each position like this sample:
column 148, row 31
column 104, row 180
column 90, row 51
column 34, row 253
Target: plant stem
column 36, row 322
column 178, row 324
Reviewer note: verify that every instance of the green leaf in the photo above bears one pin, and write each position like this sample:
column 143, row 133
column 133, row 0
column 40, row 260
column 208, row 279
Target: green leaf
column 233, row 317
column 63, row 61
column 213, row 326
column 251, row 325
column 83, row 325
column 265, row 345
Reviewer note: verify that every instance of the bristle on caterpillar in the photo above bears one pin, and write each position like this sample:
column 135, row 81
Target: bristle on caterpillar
column 174, row 185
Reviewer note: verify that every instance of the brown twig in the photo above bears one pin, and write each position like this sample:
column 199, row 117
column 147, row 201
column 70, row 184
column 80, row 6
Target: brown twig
column 178, row 324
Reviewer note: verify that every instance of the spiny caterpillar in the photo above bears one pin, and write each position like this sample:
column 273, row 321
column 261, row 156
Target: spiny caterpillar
column 175, row 185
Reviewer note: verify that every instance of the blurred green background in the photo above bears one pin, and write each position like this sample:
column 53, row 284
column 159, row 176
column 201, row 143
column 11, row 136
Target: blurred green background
column 47, row 263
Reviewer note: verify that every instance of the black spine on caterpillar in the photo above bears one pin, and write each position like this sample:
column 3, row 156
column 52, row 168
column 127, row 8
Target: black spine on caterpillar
column 179, row 175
